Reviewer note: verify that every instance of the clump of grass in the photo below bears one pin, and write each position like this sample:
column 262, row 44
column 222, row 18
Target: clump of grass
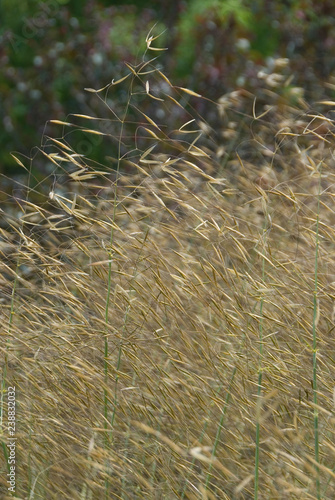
column 164, row 332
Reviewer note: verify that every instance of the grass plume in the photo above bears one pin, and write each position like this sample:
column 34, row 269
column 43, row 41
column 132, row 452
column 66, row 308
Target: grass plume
column 149, row 287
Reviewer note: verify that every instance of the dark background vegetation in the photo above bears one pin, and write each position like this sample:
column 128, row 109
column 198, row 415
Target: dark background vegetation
column 50, row 51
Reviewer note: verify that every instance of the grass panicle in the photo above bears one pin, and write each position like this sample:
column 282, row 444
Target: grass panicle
column 161, row 331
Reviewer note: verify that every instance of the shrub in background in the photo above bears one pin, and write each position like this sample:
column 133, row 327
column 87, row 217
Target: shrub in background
column 51, row 50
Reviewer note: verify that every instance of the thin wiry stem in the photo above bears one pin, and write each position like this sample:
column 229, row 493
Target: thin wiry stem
column 220, row 426
column 260, row 373
column 315, row 321
column 259, row 394
column 109, row 288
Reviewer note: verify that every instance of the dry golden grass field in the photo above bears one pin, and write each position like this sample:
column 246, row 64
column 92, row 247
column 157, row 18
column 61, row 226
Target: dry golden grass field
column 167, row 319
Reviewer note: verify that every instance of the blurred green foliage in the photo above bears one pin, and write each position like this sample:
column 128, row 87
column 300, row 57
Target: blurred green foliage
column 50, row 51
column 204, row 14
